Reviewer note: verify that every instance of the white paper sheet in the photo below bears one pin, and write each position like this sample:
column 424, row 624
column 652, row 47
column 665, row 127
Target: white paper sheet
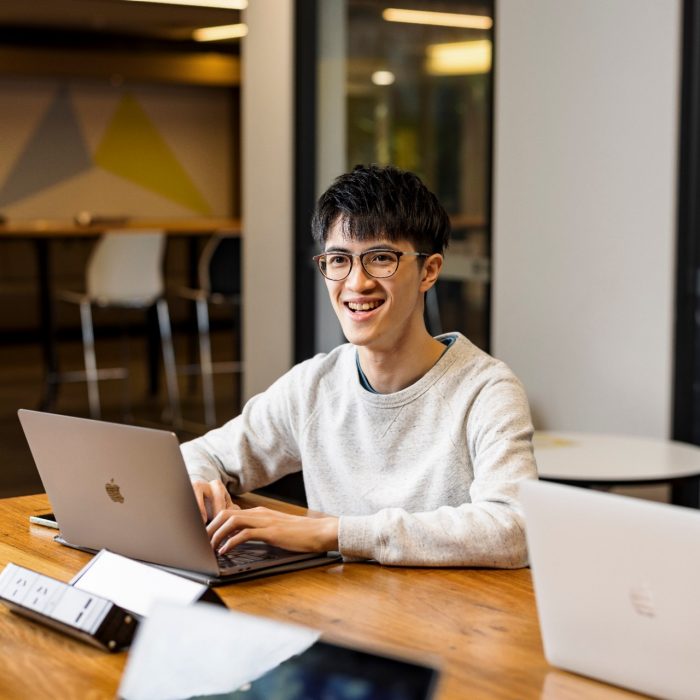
column 202, row 649
column 133, row 585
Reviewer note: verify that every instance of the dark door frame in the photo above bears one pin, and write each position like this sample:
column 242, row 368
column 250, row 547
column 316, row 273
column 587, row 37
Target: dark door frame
column 306, row 54
column 686, row 394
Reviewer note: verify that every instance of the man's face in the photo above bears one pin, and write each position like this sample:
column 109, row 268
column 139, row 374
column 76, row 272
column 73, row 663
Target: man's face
column 375, row 312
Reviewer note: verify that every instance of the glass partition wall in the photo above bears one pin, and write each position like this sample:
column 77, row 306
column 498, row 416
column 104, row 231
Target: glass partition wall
column 410, row 84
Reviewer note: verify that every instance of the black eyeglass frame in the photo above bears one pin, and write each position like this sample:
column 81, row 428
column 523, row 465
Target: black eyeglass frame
column 398, row 253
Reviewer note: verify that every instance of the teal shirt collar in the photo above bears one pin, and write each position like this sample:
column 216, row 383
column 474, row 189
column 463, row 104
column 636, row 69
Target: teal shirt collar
column 445, row 340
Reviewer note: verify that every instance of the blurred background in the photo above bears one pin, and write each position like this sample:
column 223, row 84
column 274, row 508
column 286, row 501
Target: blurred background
column 560, row 137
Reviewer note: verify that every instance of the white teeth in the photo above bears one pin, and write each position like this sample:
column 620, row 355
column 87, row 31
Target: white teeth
column 366, row 306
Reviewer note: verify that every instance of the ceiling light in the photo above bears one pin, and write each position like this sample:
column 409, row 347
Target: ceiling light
column 223, row 31
column 383, row 77
column 459, row 58
column 441, row 19
column 219, row 4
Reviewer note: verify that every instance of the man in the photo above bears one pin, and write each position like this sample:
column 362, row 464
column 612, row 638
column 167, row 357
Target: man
column 413, row 445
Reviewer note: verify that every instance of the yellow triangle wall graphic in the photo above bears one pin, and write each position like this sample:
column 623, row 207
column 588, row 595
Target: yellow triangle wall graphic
column 133, row 149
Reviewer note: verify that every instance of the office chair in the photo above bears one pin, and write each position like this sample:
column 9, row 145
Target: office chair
column 432, row 312
column 125, row 270
column 219, row 280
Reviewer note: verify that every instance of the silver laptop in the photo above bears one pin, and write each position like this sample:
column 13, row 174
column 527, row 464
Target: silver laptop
column 126, row 489
column 617, row 586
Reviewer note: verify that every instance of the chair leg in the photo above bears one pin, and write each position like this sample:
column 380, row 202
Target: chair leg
column 166, row 339
column 127, row 414
column 206, row 362
column 90, row 359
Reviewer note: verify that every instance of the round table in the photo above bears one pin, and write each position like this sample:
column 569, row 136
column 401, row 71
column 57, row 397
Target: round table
column 596, row 459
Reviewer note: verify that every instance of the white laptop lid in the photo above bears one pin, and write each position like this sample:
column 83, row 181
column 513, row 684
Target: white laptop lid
column 617, row 583
column 119, row 487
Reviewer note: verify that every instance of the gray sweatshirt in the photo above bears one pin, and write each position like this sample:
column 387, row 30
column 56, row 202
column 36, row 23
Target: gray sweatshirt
column 425, row 476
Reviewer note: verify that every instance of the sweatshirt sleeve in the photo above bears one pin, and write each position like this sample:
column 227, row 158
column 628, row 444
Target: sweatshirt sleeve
column 487, row 531
column 253, row 449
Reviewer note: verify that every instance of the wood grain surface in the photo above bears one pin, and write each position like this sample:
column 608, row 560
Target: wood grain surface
column 479, row 627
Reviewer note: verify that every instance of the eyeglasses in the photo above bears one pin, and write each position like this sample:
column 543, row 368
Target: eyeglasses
column 376, row 263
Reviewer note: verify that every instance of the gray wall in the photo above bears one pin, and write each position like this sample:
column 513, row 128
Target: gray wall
column 586, row 130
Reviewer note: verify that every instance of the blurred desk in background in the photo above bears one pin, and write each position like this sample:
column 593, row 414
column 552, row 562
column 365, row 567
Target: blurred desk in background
column 41, row 232
column 66, row 228
column 593, row 459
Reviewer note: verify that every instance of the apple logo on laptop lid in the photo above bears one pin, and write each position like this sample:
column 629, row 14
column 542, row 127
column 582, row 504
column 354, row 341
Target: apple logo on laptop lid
column 114, row 491
column 642, row 599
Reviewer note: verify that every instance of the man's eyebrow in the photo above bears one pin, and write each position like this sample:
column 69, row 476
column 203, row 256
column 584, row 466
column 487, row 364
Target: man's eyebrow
column 379, row 246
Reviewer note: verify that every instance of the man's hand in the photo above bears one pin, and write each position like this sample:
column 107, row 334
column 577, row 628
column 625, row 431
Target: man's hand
column 212, row 498
column 296, row 532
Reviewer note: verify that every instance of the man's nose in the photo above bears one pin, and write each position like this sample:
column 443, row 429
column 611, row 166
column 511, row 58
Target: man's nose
column 358, row 277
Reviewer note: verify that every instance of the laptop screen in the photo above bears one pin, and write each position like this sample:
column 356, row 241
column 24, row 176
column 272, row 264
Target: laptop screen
column 329, row 671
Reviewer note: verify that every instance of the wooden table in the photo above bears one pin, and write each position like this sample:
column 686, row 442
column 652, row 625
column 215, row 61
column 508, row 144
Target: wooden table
column 597, row 459
column 479, row 626
column 43, row 231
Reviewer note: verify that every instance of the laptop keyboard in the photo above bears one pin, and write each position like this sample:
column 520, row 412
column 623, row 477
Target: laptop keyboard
column 247, row 554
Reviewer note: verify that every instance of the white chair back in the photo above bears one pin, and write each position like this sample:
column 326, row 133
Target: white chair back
column 126, row 268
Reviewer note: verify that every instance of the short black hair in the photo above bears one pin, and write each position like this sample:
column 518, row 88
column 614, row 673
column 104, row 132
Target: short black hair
column 383, row 202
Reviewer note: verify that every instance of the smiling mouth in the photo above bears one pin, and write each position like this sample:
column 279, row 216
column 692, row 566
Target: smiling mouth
column 355, row 306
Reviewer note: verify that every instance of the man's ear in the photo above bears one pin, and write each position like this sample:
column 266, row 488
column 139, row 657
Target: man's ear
column 431, row 271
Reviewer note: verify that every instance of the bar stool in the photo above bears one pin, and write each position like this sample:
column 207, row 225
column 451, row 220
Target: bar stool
column 125, row 270
column 219, row 280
